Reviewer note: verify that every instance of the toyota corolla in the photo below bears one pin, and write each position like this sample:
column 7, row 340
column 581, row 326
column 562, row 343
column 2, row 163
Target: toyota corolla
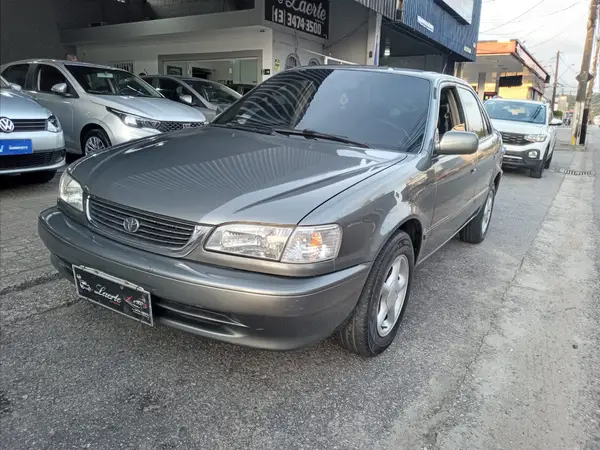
column 298, row 213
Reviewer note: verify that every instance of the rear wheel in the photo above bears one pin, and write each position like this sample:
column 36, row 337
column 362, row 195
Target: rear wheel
column 476, row 230
column 377, row 316
column 95, row 141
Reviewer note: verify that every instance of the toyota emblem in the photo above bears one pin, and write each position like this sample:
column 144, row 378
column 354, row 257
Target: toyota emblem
column 131, row 224
column 6, row 125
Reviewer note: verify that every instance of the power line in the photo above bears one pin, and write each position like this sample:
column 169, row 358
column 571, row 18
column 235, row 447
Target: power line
column 553, row 37
column 545, row 15
column 516, row 18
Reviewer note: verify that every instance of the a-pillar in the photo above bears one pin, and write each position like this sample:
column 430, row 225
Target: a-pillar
column 481, row 84
column 373, row 38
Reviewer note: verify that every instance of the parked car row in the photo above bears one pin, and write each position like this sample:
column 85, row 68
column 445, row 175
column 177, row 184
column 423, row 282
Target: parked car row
column 95, row 107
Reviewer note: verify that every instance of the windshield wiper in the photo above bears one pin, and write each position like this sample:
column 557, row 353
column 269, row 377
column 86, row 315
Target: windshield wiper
column 262, row 129
column 312, row 134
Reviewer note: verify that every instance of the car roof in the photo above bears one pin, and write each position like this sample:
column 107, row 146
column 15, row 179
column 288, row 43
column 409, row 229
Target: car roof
column 518, row 100
column 62, row 61
column 434, row 77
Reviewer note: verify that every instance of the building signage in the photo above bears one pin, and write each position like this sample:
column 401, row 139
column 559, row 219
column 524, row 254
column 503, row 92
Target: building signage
column 425, row 24
column 462, row 9
column 310, row 16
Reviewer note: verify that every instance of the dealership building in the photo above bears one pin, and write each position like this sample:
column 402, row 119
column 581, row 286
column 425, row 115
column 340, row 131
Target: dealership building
column 242, row 41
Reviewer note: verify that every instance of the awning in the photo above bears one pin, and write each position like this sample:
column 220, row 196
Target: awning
column 386, row 8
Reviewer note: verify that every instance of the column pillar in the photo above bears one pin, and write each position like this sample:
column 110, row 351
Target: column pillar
column 481, row 84
column 373, row 38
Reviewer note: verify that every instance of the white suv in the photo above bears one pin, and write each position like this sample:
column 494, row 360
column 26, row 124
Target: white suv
column 528, row 132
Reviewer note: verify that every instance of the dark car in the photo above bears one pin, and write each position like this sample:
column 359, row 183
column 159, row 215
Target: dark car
column 242, row 89
column 301, row 211
column 209, row 97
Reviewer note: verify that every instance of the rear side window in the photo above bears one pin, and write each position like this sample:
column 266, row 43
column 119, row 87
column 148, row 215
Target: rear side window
column 16, row 74
column 475, row 121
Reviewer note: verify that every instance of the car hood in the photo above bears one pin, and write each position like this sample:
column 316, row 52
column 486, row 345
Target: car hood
column 215, row 175
column 509, row 126
column 152, row 107
column 15, row 105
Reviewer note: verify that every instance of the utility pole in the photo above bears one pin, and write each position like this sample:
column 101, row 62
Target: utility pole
column 590, row 91
column 584, row 77
column 555, row 81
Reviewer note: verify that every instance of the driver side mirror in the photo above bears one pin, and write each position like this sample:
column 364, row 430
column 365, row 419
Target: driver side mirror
column 555, row 122
column 16, row 87
column 458, row 143
column 60, row 89
column 186, row 98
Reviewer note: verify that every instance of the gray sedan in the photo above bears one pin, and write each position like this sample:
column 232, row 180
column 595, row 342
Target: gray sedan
column 300, row 212
column 31, row 137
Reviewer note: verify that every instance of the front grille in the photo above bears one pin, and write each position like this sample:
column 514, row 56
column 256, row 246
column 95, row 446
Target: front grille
column 166, row 127
column 514, row 139
column 25, row 161
column 153, row 229
column 29, row 125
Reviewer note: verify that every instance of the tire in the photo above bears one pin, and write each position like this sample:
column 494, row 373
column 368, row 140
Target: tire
column 538, row 171
column 476, row 230
column 94, row 141
column 43, row 176
column 547, row 164
column 361, row 334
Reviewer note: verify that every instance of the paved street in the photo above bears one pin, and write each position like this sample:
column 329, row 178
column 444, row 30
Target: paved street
column 498, row 349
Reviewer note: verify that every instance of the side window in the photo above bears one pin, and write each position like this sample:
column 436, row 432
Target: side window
column 16, row 74
column 48, row 76
column 151, row 81
column 450, row 115
column 168, row 88
column 475, row 120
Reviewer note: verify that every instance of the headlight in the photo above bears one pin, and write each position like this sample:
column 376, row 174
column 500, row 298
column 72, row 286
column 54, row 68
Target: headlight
column 134, row 121
column 53, row 124
column 70, row 191
column 535, row 137
column 299, row 245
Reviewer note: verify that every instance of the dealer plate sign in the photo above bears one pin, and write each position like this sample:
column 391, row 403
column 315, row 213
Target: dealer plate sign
column 15, row 147
column 312, row 17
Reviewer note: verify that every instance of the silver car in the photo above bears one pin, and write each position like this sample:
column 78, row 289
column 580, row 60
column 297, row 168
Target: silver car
column 209, row 97
column 99, row 106
column 31, row 138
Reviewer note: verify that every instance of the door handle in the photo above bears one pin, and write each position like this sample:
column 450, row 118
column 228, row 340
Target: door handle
column 474, row 169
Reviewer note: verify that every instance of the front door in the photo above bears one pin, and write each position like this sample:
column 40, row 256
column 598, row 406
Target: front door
column 455, row 177
column 62, row 106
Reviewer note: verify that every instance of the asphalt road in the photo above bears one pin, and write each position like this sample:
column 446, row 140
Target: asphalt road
column 498, row 349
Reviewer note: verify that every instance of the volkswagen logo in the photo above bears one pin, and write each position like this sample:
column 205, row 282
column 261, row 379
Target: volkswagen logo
column 131, row 224
column 6, row 125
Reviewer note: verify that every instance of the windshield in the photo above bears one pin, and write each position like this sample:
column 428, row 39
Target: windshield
column 103, row 81
column 516, row 111
column 378, row 109
column 213, row 92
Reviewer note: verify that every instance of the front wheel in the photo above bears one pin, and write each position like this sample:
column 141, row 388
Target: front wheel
column 548, row 162
column 476, row 230
column 377, row 316
column 95, row 141
column 538, row 171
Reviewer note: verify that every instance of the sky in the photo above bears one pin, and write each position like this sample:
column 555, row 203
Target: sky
column 543, row 26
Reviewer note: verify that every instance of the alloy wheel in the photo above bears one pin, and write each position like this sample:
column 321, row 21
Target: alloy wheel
column 487, row 212
column 392, row 295
column 93, row 145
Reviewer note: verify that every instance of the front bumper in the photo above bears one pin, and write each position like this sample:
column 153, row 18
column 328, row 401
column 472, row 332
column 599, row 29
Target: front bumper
column 518, row 156
column 253, row 309
column 32, row 162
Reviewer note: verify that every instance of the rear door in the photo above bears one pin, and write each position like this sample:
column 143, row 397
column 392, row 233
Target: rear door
column 478, row 123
